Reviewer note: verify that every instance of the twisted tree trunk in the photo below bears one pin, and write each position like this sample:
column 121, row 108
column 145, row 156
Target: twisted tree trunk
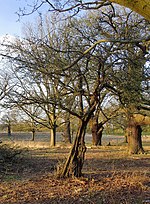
column 74, row 163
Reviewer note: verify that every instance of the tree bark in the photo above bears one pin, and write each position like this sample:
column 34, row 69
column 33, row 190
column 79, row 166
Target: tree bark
column 99, row 135
column 134, row 138
column 53, row 137
column 53, row 129
column 67, row 132
column 33, row 134
column 75, row 160
column 97, row 129
column 126, row 132
column 9, row 130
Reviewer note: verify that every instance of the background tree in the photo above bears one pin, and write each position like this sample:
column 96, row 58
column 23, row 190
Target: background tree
column 4, row 80
column 125, row 64
column 7, row 121
column 32, row 57
column 67, row 137
column 29, row 116
column 107, row 111
column 128, row 76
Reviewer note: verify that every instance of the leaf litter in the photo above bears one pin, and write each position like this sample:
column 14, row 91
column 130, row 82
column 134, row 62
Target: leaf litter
column 108, row 179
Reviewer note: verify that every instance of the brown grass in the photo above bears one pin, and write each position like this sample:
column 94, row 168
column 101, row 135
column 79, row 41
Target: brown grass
column 111, row 176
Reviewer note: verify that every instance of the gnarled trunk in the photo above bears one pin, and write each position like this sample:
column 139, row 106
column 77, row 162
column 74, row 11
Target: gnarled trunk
column 134, row 138
column 74, row 163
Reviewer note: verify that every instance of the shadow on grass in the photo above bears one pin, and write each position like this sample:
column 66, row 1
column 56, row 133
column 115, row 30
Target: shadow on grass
column 26, row 167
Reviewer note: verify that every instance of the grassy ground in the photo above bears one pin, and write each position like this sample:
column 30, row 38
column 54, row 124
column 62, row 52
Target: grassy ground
column 111, row 176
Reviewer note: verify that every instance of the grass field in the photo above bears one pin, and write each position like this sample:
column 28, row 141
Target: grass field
column 111, row 176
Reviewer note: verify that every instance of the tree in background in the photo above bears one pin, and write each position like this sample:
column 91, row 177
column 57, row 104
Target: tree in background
column 126, row 64
column 4, row 81
column 31, row 60
column 99, row 121
column 67, row 137
column 29, row 116
column 128, row 78
column 7, row 121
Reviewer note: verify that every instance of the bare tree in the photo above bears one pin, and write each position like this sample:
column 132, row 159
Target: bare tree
column 37, row 60
column 8, row 120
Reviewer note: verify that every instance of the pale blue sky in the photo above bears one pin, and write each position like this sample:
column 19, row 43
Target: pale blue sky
column 8, row 18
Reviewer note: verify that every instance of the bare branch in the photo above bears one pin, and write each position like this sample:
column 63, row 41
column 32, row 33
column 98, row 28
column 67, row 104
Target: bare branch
column 133, row 41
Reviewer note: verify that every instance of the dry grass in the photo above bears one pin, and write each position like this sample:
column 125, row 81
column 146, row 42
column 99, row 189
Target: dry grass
column 110, row 177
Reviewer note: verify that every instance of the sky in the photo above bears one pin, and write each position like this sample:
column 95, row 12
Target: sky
column 9, row 23
column 9, row 20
